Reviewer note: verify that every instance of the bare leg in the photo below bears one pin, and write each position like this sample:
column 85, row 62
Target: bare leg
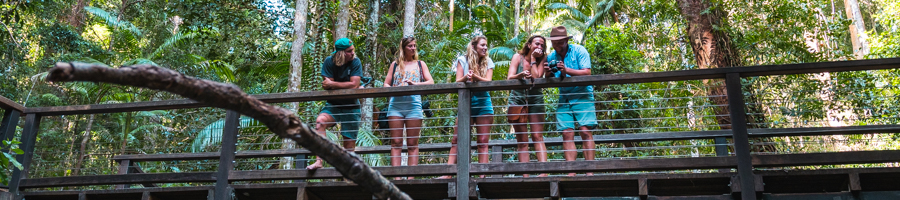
column 323, row 121
column 484, row 137
column 413, row 128
column 587, row 144
column 569, row 151
column 451, row 159
column 522, row 143
column 396, row 124
column 537, row 136
column 483, row 130
column 349, row 145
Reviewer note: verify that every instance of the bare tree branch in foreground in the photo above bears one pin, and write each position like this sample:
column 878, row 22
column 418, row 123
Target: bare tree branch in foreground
column 279, row 120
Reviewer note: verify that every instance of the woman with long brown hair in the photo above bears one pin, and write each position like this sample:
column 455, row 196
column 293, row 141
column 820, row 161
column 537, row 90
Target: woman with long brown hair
column 526, row 107
column 476, row 66
column 406, row 111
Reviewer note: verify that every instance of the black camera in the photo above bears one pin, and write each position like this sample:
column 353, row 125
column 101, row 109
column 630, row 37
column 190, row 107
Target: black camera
column 553, row 67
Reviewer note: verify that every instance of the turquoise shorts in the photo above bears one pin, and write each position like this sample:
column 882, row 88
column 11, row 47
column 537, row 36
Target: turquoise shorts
column 481, row 104
column 578, row 109
column 347, row 115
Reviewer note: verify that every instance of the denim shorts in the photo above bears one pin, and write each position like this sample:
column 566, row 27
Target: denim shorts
column 347, row 116
column 407, row 107
column 481, row 104
column 576, row 109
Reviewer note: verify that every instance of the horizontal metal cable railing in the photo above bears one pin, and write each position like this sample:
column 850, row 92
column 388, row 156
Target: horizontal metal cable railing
column 679, row 118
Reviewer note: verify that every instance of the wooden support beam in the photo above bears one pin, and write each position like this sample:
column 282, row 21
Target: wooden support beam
column 226, row 161
column 737, row 188
column 118, row 179
column 29, row 137
column 8, row 126
column 147, row 196
column 497, row 157
column 554, row 190
column 464, row 145
column 123, row 169
column 741, row 139
column 211, row 194
column 855, row 186
column 301, row 193
column 722, row 150
column 9, row 123
column 643, row 192
column 82, row 196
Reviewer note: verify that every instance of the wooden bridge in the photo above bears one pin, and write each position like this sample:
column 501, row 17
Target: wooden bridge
column 735, row 174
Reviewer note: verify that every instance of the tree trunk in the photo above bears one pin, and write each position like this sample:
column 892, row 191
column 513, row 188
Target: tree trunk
column 343, row 21
column 296, row 70
column 857, row 29
column 452, row 7
column 409, row 18
column 515, row 25
column 711, row 49
column 76, row 15
column 81, row 150
column 280, row 121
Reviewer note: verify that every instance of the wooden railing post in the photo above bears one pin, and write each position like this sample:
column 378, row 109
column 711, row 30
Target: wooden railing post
column 226, row 154
column 29, row 136
column 124, row 166
column 497, row 157
column 740, row 138
column 463, row 143
column 722, row 151
column 8, row 125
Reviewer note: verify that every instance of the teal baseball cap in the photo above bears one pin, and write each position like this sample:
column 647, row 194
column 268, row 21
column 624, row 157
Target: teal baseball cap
column 342, row 44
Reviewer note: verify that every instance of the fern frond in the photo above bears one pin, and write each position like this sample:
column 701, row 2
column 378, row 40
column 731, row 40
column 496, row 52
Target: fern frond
column 112, row 20
column 579, row 26
column 171, row 41
column 574, row 12
column 502, row 51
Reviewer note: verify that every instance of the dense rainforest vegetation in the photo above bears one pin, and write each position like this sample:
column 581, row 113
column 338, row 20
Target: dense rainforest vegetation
column 275, row 46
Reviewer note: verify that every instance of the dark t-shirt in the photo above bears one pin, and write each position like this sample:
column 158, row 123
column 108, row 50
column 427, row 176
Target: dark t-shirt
column 342, row 74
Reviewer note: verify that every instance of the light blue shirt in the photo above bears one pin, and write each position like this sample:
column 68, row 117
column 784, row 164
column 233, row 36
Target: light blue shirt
column 577, row 57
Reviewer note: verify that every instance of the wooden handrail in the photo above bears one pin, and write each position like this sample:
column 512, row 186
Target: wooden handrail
column 603, row 79
column 10, row 104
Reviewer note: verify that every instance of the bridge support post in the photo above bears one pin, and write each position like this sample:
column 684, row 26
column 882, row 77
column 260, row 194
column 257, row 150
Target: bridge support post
column 463, row 143
column 8, row 125
column 226, row 155
column 722, row 151
column 29, row 135
column 740, row 138
column 497, row 157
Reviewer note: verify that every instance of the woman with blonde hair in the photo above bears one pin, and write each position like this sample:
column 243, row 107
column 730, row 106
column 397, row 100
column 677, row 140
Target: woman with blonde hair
column 406, row 111
column 526, row 107
column 476, row 66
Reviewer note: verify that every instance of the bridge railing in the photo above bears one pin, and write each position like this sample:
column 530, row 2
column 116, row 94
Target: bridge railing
column 690, row 111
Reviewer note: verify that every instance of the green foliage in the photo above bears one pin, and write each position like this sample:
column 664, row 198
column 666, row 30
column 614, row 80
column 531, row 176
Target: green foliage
column 11, row 148
column 112, row 20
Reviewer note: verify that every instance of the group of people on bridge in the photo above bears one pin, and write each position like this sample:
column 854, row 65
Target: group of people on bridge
column 575, row 109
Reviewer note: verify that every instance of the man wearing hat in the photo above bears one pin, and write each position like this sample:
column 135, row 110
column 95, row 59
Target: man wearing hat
column 341, row 70
column 576, row 104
